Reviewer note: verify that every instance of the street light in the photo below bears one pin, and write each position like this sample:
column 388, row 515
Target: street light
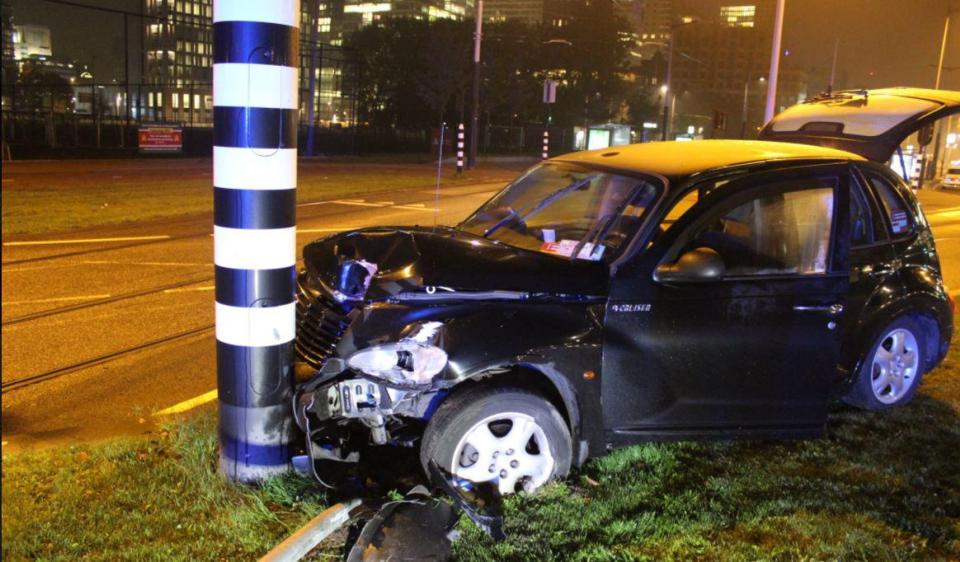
column 667, row 87
column 746, row 94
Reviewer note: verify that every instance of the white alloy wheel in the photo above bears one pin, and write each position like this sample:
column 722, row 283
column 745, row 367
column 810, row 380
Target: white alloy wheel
column 510, row 448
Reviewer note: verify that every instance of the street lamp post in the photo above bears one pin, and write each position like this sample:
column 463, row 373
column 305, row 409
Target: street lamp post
column 746, row 94
column 774, row 62
column 475, row 117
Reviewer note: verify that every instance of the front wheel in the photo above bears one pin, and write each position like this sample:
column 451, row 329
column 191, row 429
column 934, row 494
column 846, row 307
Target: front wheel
column 512, row 437
column 891, row 370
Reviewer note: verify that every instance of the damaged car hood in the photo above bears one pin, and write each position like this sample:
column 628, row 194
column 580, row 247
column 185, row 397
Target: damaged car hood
column 381, row 263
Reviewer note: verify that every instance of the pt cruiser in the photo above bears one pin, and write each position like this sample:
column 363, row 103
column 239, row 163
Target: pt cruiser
column 646, row 292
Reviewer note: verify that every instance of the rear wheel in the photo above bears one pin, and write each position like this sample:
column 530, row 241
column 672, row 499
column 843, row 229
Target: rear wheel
column 511, row 437
column 892, row 368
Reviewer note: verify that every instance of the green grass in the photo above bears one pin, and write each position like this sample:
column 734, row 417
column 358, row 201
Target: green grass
column 145, row 499
column 879, row 486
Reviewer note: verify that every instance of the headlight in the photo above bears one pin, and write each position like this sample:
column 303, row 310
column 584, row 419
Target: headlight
column 411, row 360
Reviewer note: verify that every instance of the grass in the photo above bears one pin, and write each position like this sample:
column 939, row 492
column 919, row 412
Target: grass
column 145, row 499
column 879, row 486
column 70, row 201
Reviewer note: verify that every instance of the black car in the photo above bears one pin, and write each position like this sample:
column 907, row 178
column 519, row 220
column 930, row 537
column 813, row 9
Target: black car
column 666, row 290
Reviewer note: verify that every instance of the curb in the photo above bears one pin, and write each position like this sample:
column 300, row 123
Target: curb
column 297, row 545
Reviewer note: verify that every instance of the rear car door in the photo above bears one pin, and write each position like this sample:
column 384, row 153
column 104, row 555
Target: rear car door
column 752, row 352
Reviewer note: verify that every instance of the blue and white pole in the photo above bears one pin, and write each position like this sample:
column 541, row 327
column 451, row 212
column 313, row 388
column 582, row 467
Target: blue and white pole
column 256, row 57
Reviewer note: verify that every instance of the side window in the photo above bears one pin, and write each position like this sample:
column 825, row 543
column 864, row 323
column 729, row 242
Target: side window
column 861, row 231
column 781, row 233
column 898, row 216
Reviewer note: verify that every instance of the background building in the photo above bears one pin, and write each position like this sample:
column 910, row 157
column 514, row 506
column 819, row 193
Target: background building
column 721, row 58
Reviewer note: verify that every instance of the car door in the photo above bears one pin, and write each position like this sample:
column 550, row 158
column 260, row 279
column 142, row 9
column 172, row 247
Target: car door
column 752, row 351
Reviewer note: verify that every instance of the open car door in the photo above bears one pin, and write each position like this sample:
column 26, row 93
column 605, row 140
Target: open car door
column 871, row 123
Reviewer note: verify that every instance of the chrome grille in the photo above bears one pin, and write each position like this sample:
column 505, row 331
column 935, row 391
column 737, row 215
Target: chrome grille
column 321, row 323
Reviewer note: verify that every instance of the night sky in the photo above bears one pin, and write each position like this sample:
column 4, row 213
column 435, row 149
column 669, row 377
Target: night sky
column 882, row 42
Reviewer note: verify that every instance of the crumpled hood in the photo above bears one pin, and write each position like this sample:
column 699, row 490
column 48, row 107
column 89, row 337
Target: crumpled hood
column 377, row 263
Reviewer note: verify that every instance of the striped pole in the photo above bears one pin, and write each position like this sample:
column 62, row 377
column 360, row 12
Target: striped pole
column 460, row 149
column 546, row 144
column 255, row 71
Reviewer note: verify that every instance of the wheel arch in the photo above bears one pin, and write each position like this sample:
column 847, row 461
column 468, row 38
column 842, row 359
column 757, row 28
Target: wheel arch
column 541, row 379
column 923, row 307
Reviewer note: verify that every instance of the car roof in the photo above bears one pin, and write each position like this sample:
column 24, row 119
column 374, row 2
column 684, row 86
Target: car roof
column 675, row 159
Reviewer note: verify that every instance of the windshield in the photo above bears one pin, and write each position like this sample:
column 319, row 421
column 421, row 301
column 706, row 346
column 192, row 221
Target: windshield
column 566, row 210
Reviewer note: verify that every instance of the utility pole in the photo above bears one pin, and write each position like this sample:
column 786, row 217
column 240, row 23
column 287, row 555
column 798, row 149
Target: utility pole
column 255, row 76
column 475, row 117
column 774, row 62
column 943, row 49
column 312, row 104
column 833, row 67
column 667, row 87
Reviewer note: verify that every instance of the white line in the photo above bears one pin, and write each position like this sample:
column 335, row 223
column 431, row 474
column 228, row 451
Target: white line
column 57, row 299
column 86, row 240
column 360, row 203
column 150, row 263
column 190, row 289
column 187, row 405
column 412, row 208
column 313, row 204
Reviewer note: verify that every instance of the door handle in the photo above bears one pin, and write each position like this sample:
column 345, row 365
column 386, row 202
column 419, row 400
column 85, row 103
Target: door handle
column 885, row 269
column 832, row 309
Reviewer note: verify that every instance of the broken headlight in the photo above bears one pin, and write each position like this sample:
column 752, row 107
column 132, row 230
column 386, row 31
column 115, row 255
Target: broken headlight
column 414, row 359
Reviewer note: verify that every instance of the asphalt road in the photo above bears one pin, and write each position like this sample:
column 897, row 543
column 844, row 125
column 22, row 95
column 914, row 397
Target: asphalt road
column 112, row 325
column 72, row 302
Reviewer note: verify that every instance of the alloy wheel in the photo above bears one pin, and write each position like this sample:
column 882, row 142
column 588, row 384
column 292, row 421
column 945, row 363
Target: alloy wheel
column 509, row 448
column 895, row 365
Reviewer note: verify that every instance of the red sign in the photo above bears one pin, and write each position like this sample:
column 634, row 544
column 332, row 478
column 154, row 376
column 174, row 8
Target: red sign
column 154, row 138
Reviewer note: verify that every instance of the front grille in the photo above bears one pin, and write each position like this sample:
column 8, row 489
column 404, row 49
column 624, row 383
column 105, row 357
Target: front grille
column 321, row 323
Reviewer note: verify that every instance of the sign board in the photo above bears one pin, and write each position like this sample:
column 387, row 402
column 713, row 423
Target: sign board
column 160, row 138
column 549, row 91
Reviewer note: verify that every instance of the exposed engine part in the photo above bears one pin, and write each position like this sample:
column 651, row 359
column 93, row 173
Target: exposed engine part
column 378, row 429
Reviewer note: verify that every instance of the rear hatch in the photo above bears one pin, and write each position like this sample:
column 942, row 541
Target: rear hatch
column 871, row 123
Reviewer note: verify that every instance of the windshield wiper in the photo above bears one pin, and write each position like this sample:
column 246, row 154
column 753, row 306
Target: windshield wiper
column 599, row 232
column 514, row 216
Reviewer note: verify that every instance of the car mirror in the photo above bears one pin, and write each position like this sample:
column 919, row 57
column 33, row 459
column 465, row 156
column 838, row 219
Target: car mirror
column 696, row 266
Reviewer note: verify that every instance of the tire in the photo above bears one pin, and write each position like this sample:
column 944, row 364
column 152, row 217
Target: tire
column 882, row 382
column 472, row 436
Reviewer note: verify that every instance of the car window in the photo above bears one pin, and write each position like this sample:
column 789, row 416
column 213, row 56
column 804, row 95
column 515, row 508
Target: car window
column 898, row 216
column 861, row 233
column 773, row 234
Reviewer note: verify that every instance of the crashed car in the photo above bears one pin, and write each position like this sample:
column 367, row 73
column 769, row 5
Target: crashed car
column 646, row 292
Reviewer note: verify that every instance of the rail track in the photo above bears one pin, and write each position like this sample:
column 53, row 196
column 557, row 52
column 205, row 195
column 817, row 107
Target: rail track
column 106, row 358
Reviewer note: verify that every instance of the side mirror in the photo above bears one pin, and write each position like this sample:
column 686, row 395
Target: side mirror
column 696, row 266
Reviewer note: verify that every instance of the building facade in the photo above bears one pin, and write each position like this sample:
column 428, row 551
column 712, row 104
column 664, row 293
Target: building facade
column 721, row 58
column 178, row 37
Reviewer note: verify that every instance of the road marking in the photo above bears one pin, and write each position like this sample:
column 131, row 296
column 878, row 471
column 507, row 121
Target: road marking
column 58, row 299
column 187, row 405
column 151, row 263
column 416, row 208
column 950, row 212
column 357, row 203
column 313, row 204
column 190, row 289
column 86, row 240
